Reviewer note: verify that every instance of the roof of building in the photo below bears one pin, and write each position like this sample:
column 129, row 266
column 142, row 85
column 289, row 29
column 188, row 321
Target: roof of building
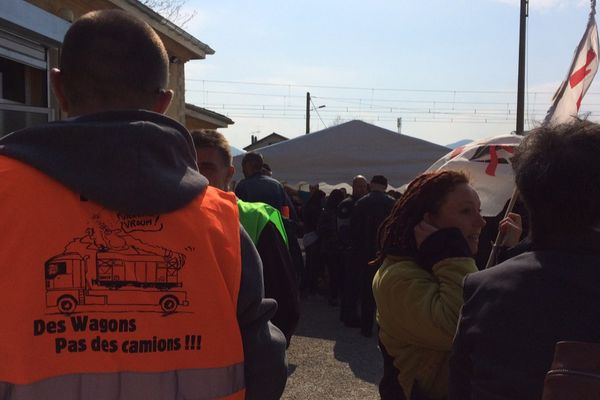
column 265, row 141
column 208, row 115
column 165, row 26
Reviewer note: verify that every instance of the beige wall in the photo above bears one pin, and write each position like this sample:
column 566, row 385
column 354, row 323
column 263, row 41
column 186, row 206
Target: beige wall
column 68, row 8
column 76, row 8
column 194, row 123
column 177, row 84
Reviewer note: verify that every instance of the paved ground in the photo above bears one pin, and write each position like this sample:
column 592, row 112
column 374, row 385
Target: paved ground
column 329, row 361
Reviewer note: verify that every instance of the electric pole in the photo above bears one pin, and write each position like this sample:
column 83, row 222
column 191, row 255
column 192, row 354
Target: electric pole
column 307, row 113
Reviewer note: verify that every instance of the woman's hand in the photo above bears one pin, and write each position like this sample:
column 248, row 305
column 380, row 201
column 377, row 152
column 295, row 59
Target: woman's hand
column 510, row 229
column 422, row 231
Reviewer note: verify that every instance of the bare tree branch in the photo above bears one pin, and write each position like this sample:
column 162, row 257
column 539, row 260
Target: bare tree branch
column 171, row 10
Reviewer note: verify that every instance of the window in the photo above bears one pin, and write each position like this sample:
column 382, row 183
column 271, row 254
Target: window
column 23, row 83
column 54, row 269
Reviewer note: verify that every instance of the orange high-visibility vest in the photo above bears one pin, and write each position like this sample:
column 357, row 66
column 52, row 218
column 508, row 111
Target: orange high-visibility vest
column 87, row 290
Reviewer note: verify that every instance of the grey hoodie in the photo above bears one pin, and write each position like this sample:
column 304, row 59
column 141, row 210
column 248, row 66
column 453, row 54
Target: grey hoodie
column 140, row 162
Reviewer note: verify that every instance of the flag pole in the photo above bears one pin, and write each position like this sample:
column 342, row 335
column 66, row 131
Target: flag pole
column 494, row 253
column 521, row 76
column 520, row 117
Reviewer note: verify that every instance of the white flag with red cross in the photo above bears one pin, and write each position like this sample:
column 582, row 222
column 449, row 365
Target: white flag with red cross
column 487, row 163
column 567, row 99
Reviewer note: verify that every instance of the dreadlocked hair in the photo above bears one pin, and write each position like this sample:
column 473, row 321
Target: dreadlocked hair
column 424, row 194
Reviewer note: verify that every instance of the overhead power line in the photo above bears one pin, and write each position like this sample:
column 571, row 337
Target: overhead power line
column 296, row 85
column 267, row 101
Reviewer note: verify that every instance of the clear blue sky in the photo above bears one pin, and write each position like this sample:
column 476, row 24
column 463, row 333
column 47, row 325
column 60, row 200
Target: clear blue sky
column 448, row 68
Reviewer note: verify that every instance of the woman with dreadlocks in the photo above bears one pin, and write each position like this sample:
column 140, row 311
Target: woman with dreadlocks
column 426, row 248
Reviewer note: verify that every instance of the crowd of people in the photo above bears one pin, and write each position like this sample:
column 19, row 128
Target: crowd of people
column 180, row 288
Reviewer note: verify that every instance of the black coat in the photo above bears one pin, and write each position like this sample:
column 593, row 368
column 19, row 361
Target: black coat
column 280, row 279
column 344, row 215
column 367, row 215
column 328, row 231
column 513, row 316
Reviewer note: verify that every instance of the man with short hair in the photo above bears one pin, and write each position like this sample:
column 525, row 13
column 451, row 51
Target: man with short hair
column 127, row 277
column 351, row 275
column 257, row 186
column 263, row 223
column 214, row 157
column 368, row 213
column 516, row 312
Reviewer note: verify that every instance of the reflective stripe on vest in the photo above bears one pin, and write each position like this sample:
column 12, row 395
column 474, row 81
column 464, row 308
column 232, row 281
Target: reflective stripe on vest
column 255, row 216
column 86, row 290
column 200, row 384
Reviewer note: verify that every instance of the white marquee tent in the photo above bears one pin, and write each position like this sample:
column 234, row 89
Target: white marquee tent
column 333, row 156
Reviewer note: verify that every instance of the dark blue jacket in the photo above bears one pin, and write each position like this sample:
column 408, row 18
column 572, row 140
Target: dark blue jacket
column 264, row 189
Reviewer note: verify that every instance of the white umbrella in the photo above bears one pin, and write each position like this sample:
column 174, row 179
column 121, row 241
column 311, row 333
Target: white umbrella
column 487, row 163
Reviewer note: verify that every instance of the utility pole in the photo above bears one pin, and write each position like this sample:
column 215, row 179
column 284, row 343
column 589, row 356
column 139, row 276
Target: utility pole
column 520, row 118
column 307, row 113
column 521, row 77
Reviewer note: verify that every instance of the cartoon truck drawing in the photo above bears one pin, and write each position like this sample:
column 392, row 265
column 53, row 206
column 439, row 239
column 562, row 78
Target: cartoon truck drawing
column 112, row 278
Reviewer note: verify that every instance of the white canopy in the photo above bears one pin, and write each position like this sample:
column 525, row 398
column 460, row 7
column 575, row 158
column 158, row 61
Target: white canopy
column 333, row 156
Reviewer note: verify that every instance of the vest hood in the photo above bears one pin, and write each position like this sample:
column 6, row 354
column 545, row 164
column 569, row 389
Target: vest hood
column 136, row 162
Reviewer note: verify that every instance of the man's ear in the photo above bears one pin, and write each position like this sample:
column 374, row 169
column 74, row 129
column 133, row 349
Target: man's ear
column 230, row 172
column 56, row 80
column 163, row 101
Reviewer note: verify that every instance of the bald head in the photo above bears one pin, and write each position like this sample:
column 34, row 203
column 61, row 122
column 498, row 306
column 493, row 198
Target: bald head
column 112, row 60
column 360, row 186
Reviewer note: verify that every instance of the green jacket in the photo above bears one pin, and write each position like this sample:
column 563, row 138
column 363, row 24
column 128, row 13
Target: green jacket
column 255, row 216
column 417, row 312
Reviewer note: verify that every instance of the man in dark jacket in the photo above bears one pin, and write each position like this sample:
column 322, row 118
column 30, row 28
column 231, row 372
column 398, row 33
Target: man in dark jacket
column 369, row 212
column 126, row 175
column 352, row 267
column 257, row 186
column 516, row 312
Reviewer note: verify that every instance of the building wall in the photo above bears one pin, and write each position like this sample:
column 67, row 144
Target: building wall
column 195, row 123
column 70, row 9
column 177, row 84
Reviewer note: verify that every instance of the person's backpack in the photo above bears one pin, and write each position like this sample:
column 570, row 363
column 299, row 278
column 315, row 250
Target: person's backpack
column 575, row 372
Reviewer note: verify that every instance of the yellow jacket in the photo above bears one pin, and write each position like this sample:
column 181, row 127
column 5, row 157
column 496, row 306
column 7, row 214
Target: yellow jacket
column 417, row 312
